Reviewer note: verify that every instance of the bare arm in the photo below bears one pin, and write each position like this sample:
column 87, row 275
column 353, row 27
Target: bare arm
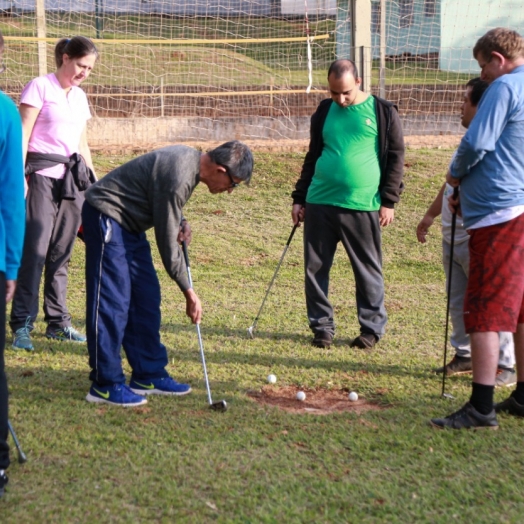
column 433, row 212
column 298, row 213
column 10, row 286
column 29, row 114
column 85, row 151
column 386, row 216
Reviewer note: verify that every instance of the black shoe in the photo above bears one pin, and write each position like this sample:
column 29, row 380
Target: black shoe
column 456, row 366
column 364, row 341
column 322, row 339
column 3, row 481
column 511, row 406
column 467, row 417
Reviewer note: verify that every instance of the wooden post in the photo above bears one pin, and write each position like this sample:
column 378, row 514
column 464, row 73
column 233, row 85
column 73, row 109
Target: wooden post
column 360, row 16
column 41, row 34
column 161, row 96
column 271, row 96
column 383, row 44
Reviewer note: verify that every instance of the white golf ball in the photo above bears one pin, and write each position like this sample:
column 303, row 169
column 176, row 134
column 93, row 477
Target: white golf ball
column 301, row 395
column 271, row 378
column 353, row 396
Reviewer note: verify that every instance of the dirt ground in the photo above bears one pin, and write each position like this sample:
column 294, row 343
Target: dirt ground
column 317, row 402
column 270, row 146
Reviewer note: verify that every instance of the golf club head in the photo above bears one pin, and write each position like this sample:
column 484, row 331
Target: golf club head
column 448, row 396
column 21, row 457
column 250, row 331
column 219, row 406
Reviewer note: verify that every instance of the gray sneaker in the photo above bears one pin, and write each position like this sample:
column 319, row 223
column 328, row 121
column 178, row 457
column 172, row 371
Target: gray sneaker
column 22, row 337
column 505, row 377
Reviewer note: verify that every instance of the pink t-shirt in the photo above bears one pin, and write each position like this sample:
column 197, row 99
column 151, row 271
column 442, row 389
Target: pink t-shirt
column 61, row 121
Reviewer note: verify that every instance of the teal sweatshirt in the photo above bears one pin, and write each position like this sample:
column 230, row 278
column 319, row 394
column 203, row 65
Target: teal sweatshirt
column 12, row 203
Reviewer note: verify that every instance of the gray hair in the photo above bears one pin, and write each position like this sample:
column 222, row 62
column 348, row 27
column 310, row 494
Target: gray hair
column 236, row 157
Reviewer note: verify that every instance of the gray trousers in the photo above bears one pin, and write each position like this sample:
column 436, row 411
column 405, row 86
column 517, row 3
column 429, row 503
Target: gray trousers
column 359, row 233
column 459, row 283
column 51, row 228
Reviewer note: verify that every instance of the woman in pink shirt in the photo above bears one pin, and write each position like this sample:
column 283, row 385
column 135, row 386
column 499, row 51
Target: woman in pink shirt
column 54, row 114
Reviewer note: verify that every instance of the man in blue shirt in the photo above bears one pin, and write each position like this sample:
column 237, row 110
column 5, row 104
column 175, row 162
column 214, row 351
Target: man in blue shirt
column 489, row 167
column 12, row 223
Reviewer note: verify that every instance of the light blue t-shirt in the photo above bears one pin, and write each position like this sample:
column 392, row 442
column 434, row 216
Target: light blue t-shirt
column 490, row 158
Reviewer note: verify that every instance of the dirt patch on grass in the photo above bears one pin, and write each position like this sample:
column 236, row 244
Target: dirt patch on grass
column 317, row 402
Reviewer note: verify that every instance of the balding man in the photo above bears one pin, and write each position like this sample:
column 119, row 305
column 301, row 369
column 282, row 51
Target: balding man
column 350, row 182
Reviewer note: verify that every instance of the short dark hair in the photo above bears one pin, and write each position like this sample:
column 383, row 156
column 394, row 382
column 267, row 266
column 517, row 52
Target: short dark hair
column 478, row 87
column 341, row 67
column 76, row 47
column 236, row 157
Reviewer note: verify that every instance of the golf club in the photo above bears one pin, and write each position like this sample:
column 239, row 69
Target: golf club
column 453, row 227
column 217, row 406
column 21, row 455
column 252, row 327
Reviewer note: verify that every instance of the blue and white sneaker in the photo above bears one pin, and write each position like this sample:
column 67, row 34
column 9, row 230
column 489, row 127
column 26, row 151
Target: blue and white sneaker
column 65, row 334
column 159, row 386
column 22, row 337
column 117, row 395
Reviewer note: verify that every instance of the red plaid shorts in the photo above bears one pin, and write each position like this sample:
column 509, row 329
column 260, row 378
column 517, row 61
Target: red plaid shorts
column 495, row 294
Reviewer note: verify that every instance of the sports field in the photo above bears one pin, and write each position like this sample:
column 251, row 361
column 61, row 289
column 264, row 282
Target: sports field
column 174, row 460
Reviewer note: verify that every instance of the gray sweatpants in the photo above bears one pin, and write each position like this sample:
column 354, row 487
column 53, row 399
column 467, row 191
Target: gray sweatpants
column 51, row 228
column 359, row 233
column 459, row 283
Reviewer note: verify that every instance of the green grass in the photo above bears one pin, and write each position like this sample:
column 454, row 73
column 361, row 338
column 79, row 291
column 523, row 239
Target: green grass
column 176, row 461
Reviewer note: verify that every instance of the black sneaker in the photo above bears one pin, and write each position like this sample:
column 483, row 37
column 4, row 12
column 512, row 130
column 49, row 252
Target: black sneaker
column 511, row 406
column 3, row 481
column 322, row 339
column 456, row 366
column 364, row 341
column 467, row 417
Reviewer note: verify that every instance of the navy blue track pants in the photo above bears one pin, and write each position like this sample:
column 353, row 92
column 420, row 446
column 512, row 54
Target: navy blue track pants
column 123, row 302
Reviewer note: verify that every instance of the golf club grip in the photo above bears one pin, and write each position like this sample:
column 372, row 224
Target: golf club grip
column 292, row 233
column 184, row 250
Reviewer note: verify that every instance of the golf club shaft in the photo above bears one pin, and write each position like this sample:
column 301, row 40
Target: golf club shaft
column 275, row 274
column 200, row 344
column 450, row 270
column 21, row 455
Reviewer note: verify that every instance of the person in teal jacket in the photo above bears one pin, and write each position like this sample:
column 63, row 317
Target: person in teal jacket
column 12, row 225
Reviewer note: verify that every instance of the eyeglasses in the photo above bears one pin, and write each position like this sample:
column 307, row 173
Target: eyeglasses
column 233, row 183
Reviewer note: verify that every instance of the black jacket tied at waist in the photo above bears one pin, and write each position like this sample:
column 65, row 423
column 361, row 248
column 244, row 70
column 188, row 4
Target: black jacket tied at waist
column 78, row 176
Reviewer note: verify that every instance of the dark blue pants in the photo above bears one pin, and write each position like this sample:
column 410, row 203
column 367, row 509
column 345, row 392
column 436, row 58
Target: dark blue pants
column 123, row 302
